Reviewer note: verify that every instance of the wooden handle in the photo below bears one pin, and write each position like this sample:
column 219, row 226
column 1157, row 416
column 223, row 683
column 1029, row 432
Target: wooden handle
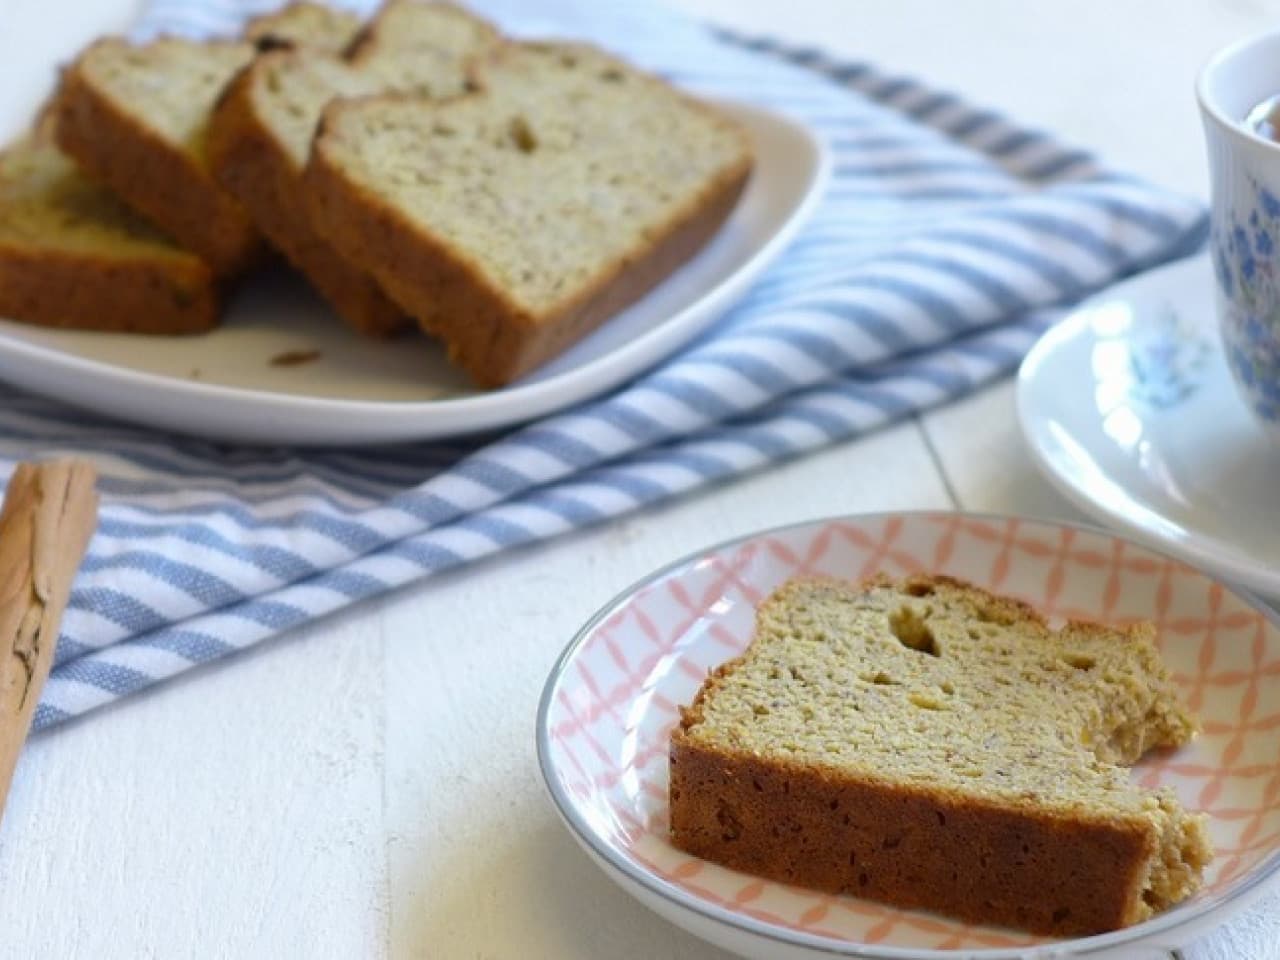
column 49, row 512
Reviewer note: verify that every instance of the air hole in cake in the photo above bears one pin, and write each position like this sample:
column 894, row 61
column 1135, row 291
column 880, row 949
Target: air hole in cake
column 270, row 42
column 1081, row 661
column 947, row 687
column 863, row 879
column 522, row 135
column 942, row 818
column 912, row 631
column 730, row 828
column 882, row 679
column 919, row 589
column 1060, row 915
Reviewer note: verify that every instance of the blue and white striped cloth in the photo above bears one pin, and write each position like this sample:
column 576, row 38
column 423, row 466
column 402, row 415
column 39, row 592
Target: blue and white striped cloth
column 948, row 241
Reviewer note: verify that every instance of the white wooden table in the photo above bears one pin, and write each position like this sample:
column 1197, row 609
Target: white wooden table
column 367, row 787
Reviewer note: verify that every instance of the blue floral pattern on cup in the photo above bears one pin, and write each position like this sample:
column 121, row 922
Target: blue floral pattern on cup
column 1246, row 260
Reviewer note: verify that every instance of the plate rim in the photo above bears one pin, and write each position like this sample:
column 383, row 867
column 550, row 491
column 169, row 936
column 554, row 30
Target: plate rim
column 1218, row 557
column 1179, row 917
column 480, row 411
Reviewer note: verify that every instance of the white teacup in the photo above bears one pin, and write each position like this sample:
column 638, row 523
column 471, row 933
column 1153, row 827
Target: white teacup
column 1244, row 172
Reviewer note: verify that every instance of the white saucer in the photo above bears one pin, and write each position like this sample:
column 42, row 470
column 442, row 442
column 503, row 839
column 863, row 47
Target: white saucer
column 1128, row 407
column 352, row 391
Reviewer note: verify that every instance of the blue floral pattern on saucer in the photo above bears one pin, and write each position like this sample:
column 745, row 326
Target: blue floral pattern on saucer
column 1167, row 357
column 1246, row 261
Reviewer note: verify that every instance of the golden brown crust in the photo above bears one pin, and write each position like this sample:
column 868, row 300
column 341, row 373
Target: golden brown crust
column 249, row 162
column 164, row 184
column 911, row 848
column 96, row 293
column 485, row 333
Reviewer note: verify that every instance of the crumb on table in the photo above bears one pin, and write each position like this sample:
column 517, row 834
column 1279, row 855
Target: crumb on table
column 294, row 358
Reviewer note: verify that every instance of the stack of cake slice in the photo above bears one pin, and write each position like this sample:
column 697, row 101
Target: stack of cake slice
column 508, row 197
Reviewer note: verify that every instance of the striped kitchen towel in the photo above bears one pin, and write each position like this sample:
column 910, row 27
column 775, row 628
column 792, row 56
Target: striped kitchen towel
column 948, row 240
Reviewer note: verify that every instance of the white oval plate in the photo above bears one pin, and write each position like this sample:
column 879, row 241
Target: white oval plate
column 223, row 384
column 1128, row 407
column 611, row 701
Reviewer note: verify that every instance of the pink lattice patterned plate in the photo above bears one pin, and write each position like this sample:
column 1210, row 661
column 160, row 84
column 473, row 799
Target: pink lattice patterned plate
column 612, row 699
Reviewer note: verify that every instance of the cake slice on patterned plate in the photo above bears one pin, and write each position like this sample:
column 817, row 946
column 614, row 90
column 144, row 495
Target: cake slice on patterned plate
column 927, row 744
